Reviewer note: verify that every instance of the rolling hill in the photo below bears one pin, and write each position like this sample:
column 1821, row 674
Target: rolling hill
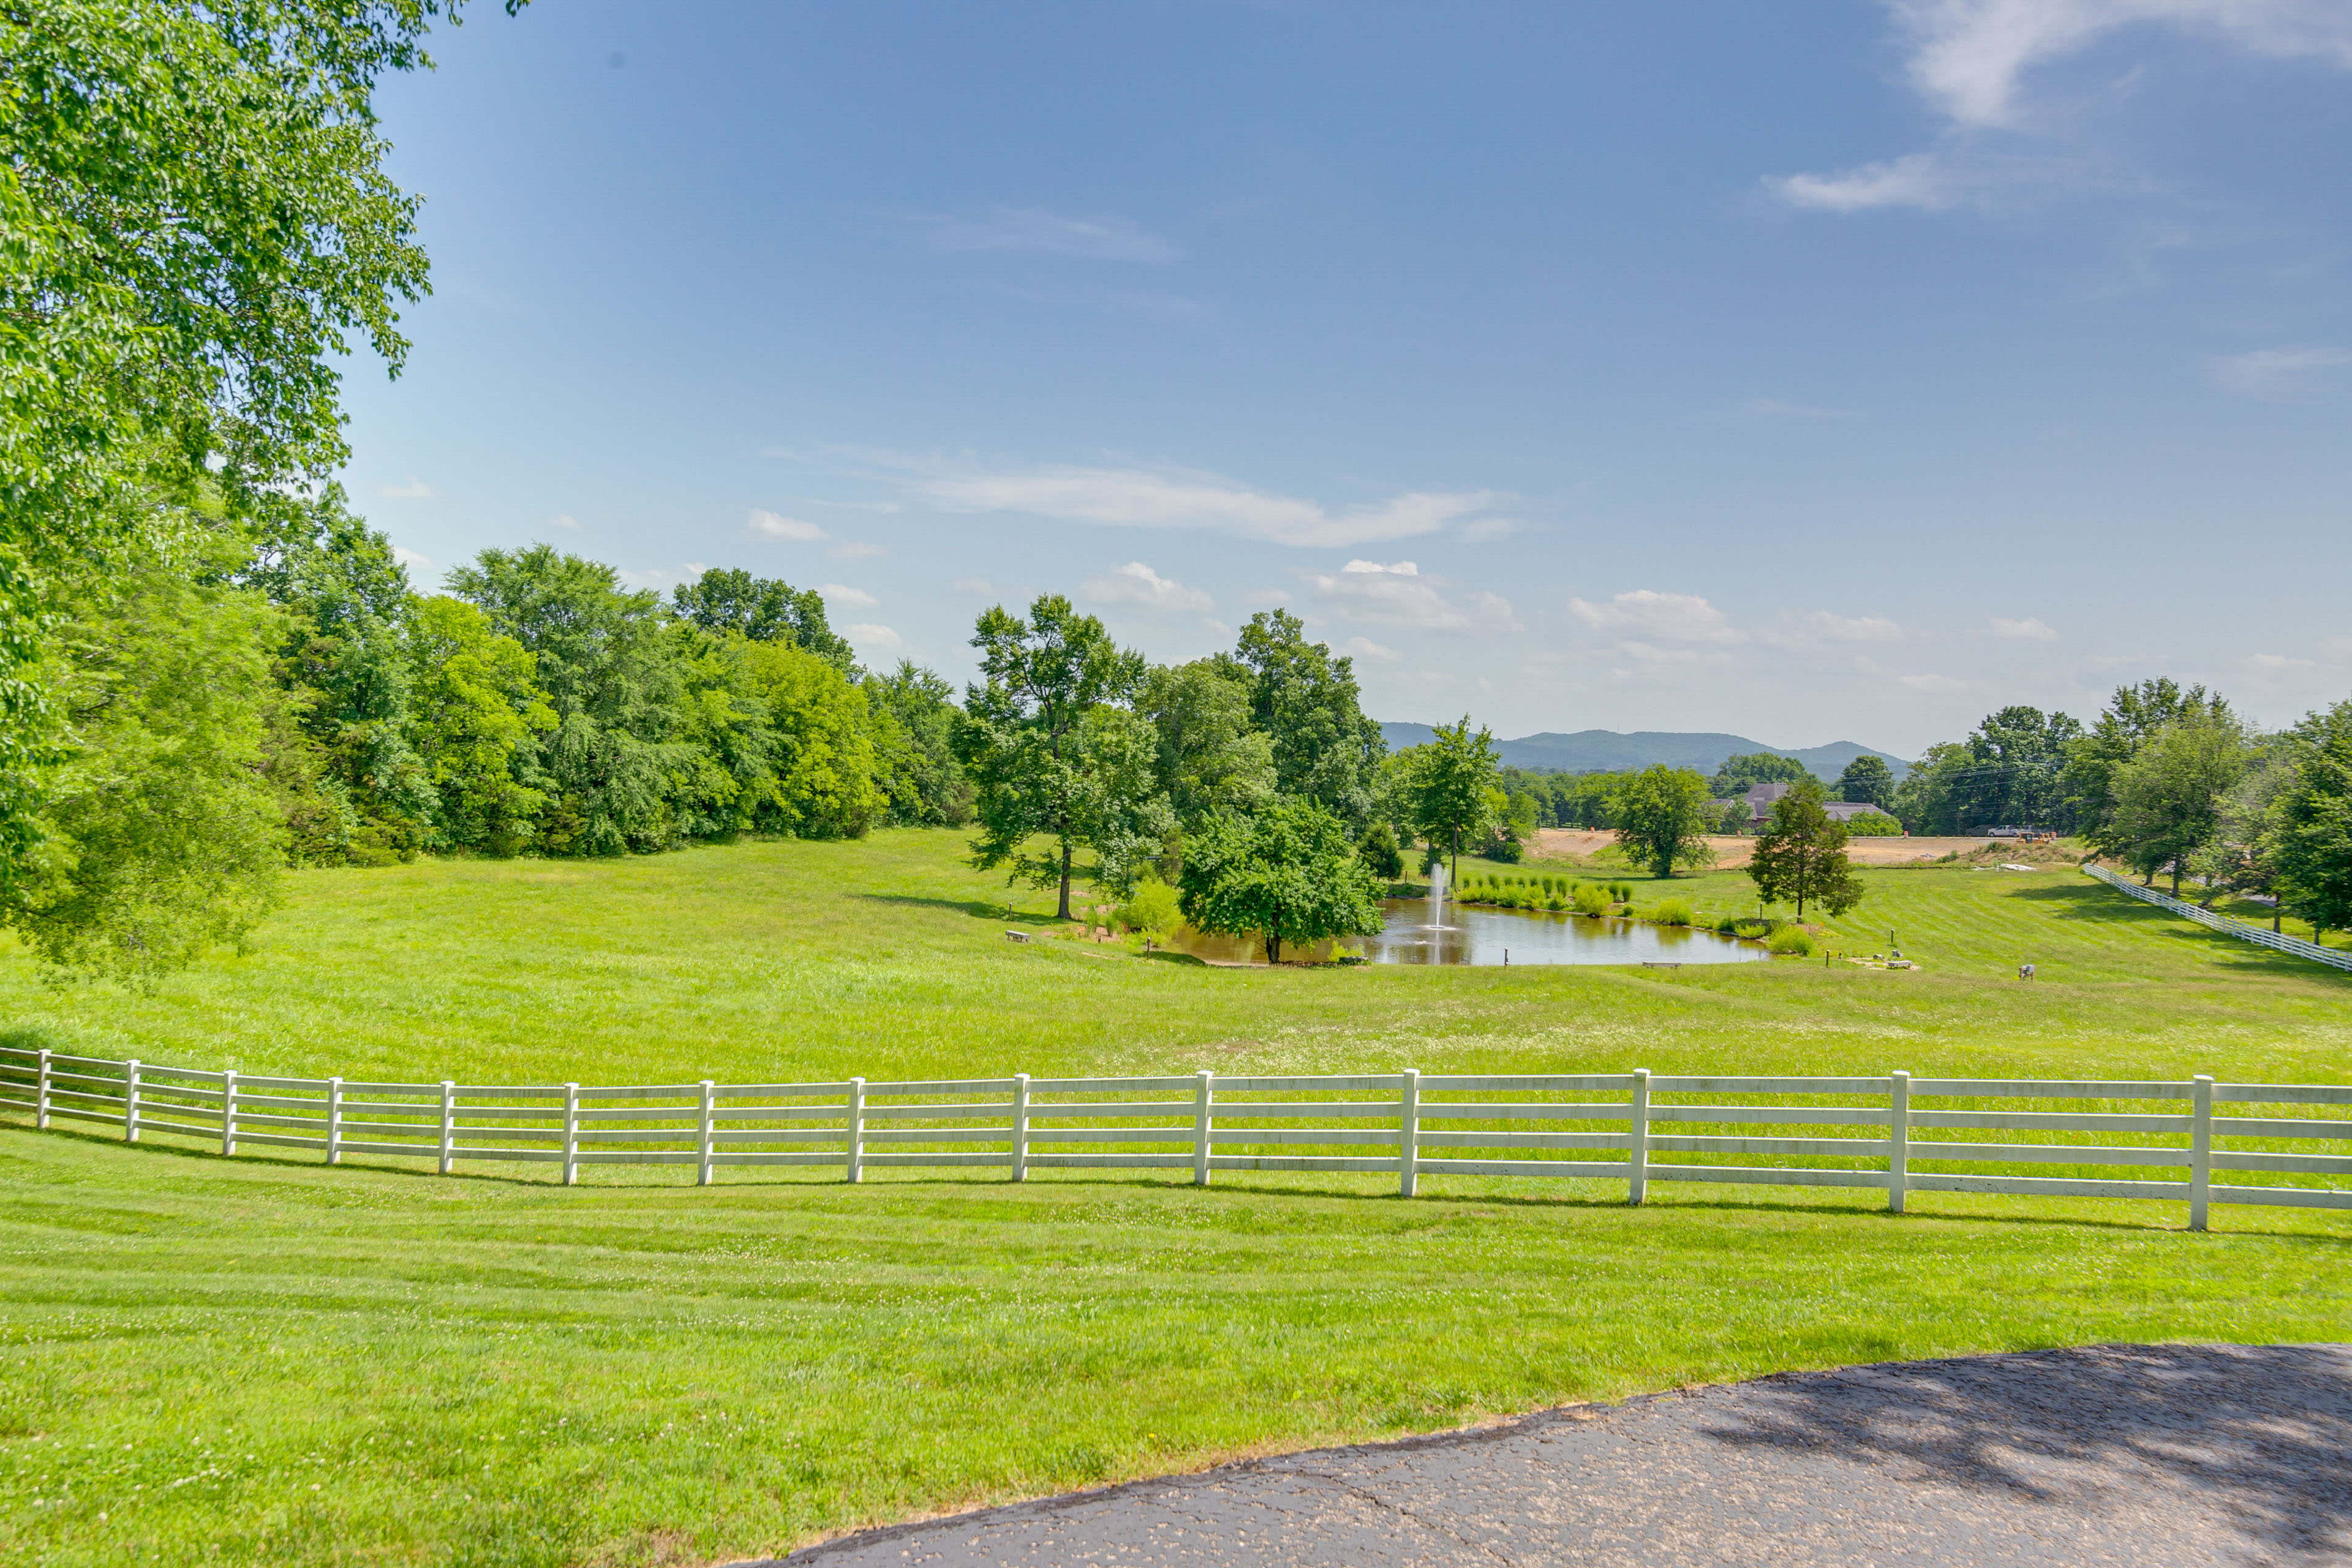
column 1606, row 750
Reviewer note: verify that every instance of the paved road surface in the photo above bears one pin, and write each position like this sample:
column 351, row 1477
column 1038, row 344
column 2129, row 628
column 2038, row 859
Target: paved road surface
column 2149, row 1456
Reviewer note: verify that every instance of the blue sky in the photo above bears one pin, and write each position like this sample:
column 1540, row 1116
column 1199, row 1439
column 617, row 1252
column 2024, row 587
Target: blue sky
column 1809, row 371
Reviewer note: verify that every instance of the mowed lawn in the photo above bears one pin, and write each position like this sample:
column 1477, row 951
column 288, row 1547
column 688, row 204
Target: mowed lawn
column 265, row 1360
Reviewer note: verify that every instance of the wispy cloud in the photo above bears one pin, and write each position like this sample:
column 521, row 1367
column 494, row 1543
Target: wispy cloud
column 2026, row 630
column 413, row 561
column 662, row 577
column 2280, row 374
column 866, row 635
column 563, row 520
column 1137, row 585
column 1646, row 615
column 414, row 489
column 1934, row 683
column 1398, row 595
column 1106, row 237
column 837, row 593
column 974, row 587
column 1140, row 498
column 774, row 525
column 1365, row 647
column 1971, row 58
column 857, row 550
column 1814, row 631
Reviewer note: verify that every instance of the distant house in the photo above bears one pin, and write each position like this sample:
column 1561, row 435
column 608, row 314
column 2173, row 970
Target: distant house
column 1760, row 799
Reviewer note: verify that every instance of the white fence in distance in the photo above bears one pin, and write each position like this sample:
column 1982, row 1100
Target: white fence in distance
column 2244, row 930
column 1867, row 1133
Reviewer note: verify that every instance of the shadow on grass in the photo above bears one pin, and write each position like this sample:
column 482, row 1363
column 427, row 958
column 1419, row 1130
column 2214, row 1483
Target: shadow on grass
column 980, row 909
column 2096, row 902
column 2261, row 1430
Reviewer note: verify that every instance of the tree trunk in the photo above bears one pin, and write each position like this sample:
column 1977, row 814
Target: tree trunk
column 1066, row 878
column 2176, row 878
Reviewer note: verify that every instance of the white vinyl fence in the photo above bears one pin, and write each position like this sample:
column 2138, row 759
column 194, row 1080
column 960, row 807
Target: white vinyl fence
column 2244, row 930
column 1896, row 1133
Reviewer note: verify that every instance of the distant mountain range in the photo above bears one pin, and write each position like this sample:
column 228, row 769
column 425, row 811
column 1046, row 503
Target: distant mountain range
column 1606, row 750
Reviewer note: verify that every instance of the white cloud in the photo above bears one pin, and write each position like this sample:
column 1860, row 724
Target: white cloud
column 2026, row 630
column 1969, row 56
column 977, row 588
column 413, row 561
column 2279, row 372
column 1136, row 498
column 1369, row 593
column 1365, row 647
column 1813, row 628
column 1934, row 683
column 414, row 489
column 1035, row 230
column 1650, row 616
column 857, row 550
column 1137, row 585
column 869, row 635
column 1486, row 530
column 836, row 593
column 563, row 520
column 773, row 525
column 662, row 577
column 2269, row 661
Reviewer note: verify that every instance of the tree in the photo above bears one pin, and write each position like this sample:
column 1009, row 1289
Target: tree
column 1662, row 819
column 763, row 609
column 1049, row 752
column 2130, row 719
column 1867, row 781
column 915, row 747
column 1307, row 702
column 1739, row 772
column 1452, row 792
column 1286, row 874
column 1381, row 855
column 1210, row 760
column 2237, row 857
column 197, row 223
column 2169, row 797
column 2310, row 830
column 480, row 717
column 1801, row 855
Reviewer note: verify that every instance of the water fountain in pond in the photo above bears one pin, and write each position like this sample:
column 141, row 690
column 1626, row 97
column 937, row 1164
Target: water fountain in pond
column 1436, row 921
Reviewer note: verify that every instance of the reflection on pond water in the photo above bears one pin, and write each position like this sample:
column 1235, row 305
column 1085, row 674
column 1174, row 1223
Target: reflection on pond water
column 1472, row 935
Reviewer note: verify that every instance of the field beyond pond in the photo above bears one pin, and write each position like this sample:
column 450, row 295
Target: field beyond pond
column 266, row 1361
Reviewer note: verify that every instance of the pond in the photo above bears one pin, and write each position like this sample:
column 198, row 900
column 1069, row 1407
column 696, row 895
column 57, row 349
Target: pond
column 1475, row 935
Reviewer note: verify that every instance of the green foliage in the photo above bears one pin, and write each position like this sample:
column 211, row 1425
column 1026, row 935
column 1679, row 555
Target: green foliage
column 1662, row 819
column 2131, row 719
column 1306, row 704
column 1800, row 856
column 2169, row 797
column 1740, row 772
column 1286, row 874
column 1873, row 825
column 1868, row 781
column 1671, row 912
column 159, row 832
column 1209, row 758
column 763, row 609
column 2011, row 771
column 1381, row 852
column 1789, row 940
column 1451, row 793
column 2310, row 821
column 1153, row 909
column 481, row 717
column 1591, row 899
column 1050, row 753
column 914, row 741
column 196, row 226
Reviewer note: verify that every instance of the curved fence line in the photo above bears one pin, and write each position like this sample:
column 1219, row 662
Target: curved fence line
column 2244, row 930
column 1868, row 1132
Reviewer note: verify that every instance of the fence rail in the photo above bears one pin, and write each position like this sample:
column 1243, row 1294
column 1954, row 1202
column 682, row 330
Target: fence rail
column 2245, row 930
column 1854, row 1131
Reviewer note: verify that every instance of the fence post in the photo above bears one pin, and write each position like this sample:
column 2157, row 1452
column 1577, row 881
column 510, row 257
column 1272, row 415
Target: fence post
column 857, row 1128
column 702, row 1137
column 228, row 1112
column 571, row 1135
column 448, row 1125
column 41, row 1094
column 2200, row 1152
column 1637, row 1147
column 1898, row 1139
column 1409, row 1135
column 334, row 1121
column 1021, row 1127
column 130, row 1100
column 1202, row 1088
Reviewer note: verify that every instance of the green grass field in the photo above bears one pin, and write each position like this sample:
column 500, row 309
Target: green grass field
column 265, row 1360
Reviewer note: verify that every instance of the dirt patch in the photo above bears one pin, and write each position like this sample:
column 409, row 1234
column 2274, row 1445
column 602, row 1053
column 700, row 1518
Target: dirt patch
column 1584, row 843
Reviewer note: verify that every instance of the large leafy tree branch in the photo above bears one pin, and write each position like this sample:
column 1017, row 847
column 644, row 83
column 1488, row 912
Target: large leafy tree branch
column 1800, row 857
column 1286, row 874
